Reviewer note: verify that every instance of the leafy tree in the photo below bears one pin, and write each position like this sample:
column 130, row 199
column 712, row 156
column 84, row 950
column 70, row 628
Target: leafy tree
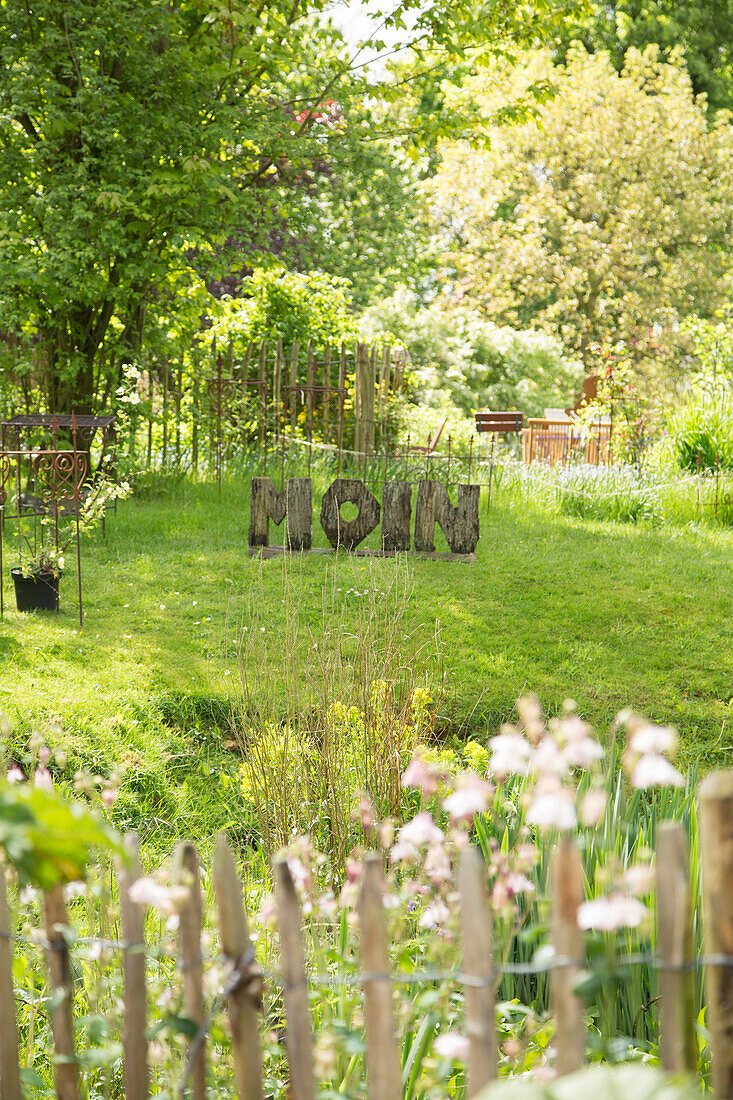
column 606, row 220
column 702, row 29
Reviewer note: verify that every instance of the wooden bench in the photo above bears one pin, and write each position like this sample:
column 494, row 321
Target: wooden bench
column 498, row 423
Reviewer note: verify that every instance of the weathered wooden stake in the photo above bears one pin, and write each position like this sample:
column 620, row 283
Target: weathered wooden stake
column 567, row 941
column 9, row 1071
column 674, row 948
column 477, row 932
column 298, row 1037
column 265, row 504
column 382, row 1055
column 189, row 938
column 246, row 985
column 716, row 847
column 459, row 523
column 134, row 1043
column 66, row 1069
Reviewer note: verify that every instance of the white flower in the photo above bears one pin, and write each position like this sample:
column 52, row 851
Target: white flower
column 583, row 753
column 511, row 754
column 593, row 806
column 639, row 880
column 416, row 834
column 42, row 778
column 548, row 758
column 654, row 770
column 436, row 913
column 552, row 807
column 419, row 774
column 166, row 899
column 452, row 1045
column 470, row 797
column 611, row 913
column 437, row 864
column 653, row 739
column 15, row 775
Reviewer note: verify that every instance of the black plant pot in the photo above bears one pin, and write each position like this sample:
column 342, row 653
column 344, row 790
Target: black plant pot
column 40, row 593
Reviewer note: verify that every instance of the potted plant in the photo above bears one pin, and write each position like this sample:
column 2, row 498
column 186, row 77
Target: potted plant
column 37, row 577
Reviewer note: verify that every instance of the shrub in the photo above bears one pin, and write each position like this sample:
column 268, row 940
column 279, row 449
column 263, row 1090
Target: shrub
column 702, row 431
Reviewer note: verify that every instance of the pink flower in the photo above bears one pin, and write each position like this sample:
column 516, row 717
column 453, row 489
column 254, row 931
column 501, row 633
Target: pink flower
column 609, row 914
column 583, row 753
column 299, row 873
column 109, row 797
column 452, row 1045
column 268, row 910
column 15, row 775
column 44, row 754
column 414, row 835
column 654, row 770
column 470, row 797
column 166, row 899
column 593, row 806
column 548, row 758
column 426, row 777
column 510, row 755
column 552, row 808
column 653, row 739
column 436, row 913
column 42, row 779
column 437, row 864
column 639, row 880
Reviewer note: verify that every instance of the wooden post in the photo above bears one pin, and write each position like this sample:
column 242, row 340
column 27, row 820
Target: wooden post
column 277, row 388
column 477, row 932
column 246, row 984
column 9, row 1071
column 674, row 949
column 567, row 940
column 372, row 399
column 716, row 847
column 195, row 417
column 166, row 372
column 262, row 379
column 66, row 1069
column 311, row 381
column 265, row 504
column 358, row 374
column 382, row 1056
column 294, row 351
column 298, row 1037
column 189, row 939
column 326, row 394
column 132, row 917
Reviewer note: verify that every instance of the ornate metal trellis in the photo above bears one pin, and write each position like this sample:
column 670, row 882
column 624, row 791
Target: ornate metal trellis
column 42, row 481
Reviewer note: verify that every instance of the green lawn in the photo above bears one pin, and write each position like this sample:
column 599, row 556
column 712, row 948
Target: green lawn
column 611, row 615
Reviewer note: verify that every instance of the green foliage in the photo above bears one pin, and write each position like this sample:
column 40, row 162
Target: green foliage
column 702, row 431
column 457, row 353
column 287, row 306
column 592, row 221
column 47, row 838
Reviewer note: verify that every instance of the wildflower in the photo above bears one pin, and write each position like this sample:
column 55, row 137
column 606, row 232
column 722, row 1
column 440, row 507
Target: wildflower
column 593, row 806
column 510, row 755
column 552, row 806
column 166, row 899
column 548, row 759
column 415, row 834
column 583, row 753
column 611, row 913
column 418, row 773
column 654, row 770
column 653, row 739
column 108, row 797
column 436, row 913
column 437, row 864
column 452, row 1045
column 639, row 880
column 268, row 910
column 42, row 779
column 470, row 797
column 44, row 754
column 15, row 775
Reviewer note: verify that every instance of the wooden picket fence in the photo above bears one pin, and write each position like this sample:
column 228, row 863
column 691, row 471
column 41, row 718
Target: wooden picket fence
column 674, row 960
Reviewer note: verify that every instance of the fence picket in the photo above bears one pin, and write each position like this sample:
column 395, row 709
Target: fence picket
column 246, row 981
column 382, row 1056
column 478, row 965
column 9, row 1069
column 567, row 940
column 66, row 1069
column 132, row 918
column 674, row 947
column 298, row 1036
column 189, row 938
column 716, row 846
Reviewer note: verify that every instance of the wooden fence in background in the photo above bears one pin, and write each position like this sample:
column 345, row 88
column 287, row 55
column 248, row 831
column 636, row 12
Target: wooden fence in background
column 478, row 975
